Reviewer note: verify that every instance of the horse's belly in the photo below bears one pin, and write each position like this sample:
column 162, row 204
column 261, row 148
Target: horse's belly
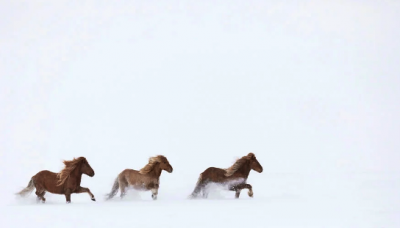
column 139, row 187
column 143, row 186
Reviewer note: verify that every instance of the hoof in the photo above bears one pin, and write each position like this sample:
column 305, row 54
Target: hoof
column 68, row 202
column 93, row 199
column 251, row 194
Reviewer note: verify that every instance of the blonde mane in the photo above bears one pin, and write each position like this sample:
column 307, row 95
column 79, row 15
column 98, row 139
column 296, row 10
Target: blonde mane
column 69, row 167
column 152, row 162
column 239, row 163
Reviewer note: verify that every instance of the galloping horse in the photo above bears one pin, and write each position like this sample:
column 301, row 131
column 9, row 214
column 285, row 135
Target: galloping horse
column 147, row 178
column 66, row 182
column 234, row 177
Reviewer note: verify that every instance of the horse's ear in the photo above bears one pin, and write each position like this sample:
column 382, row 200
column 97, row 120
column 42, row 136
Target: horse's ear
column 251, row 155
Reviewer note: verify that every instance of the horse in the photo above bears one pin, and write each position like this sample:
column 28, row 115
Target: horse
column 65, row 182
column 147, row 178
column 233, row 178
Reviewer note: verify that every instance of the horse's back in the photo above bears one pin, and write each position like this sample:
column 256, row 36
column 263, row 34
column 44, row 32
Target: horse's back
column 126, row 172
column 214, row 170
column 213, row 174
column 45, row 174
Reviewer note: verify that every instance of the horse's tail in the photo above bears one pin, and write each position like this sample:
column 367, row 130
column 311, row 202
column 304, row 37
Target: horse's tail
column 198, row 187
column 27, row 190
column 114, row 189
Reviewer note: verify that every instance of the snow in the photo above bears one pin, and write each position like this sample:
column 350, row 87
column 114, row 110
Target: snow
column 311, row 89
column 283, row 200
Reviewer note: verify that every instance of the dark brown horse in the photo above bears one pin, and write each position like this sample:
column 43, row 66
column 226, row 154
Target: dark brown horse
column 148, row 178
column 66, row 182
column 233, row 178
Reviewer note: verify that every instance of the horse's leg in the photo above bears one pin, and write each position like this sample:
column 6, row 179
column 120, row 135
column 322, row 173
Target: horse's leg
column 199, row 188
column 82, row 190
column 123, row 184
column 204, row 190
column 237, row 190
column 68, row 195
column 154, row 193
column 44, row 192
column 40, row 193
column 205, row 193
column 250, row 188
column 39, row 196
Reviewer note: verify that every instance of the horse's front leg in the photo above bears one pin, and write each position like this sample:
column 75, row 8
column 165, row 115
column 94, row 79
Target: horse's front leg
column 154, row 193
column 154, row 190
column 249, row 187
column 82, row 190
column 67, row 194
column 239, row 188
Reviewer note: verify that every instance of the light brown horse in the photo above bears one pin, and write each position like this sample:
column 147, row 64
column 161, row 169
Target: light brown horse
column 233, row 178
column 66, row 182
column 148, row 178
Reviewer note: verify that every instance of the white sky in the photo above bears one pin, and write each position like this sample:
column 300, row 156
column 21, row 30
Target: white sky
column 307, row 86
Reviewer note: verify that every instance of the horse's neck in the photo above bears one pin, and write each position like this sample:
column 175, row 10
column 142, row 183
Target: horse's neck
column 77, row 174
column 156, row 172
column 245, row 169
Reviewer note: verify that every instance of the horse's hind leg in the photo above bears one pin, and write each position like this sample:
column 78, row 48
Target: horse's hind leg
column 205, row 189
column 123, row 184
column 205, row 193
column 40, row 193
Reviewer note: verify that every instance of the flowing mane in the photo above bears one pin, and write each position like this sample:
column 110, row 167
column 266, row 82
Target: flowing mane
column 231, row 170
column 69, row 167
column 152, row 162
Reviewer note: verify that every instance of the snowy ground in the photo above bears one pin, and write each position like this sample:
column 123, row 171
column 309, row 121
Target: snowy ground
column 312, row 89
column 284, row 200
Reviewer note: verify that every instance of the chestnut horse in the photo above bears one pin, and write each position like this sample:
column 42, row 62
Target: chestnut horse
column 66, row 182
column 233, row 178
column 148, row 178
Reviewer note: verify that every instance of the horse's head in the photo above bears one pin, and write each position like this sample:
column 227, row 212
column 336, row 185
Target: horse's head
column 254, row 164
column 164, row 165
column 86, row 168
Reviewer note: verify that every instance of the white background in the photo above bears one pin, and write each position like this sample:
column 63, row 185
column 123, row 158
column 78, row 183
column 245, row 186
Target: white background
column 311, row 87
